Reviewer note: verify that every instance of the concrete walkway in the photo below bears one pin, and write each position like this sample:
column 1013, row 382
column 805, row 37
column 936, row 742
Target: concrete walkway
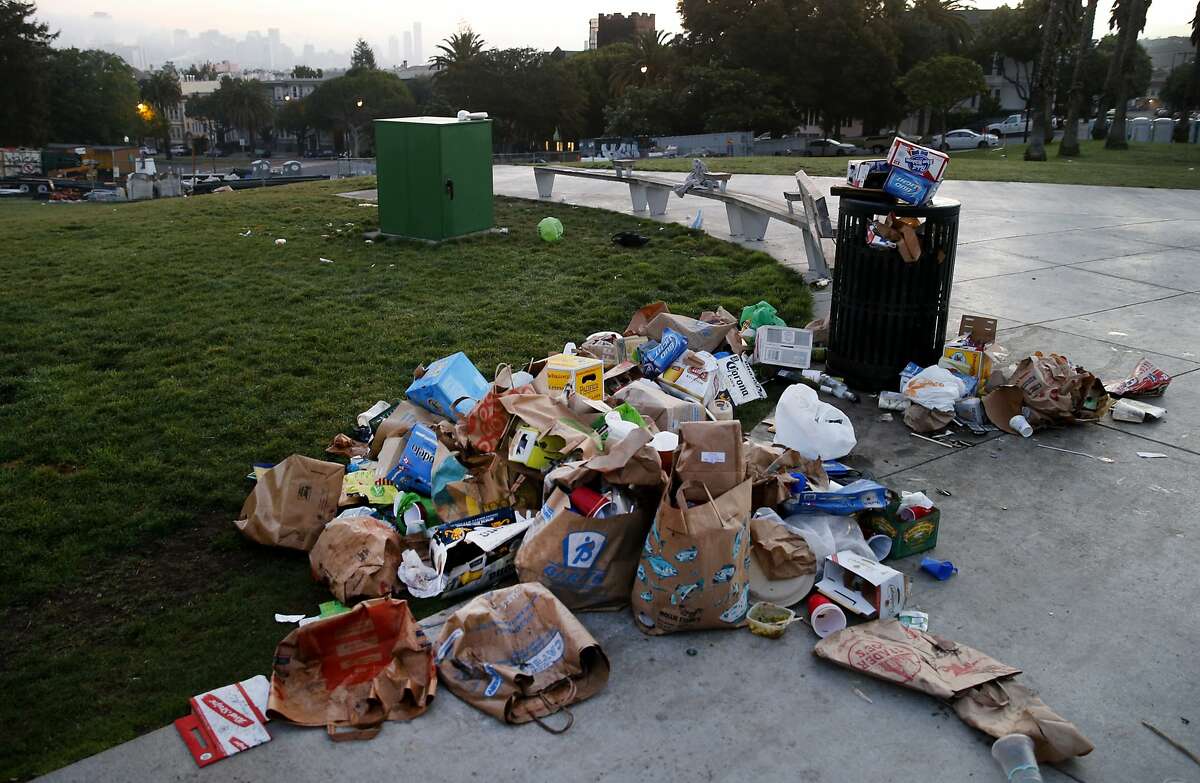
column 1081, row 573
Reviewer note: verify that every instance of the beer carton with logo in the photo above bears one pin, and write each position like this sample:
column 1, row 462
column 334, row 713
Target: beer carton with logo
column 863, row 586
column 478, row 551
column 908, row 538
column 581, row 373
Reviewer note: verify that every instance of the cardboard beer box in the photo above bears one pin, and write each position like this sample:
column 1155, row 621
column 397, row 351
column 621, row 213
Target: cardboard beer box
column 909, row 187
column 913, row 158
column 863, row 586
column 478, row 551
column 783, row 346
column 581, row 373
column 692, row 376
column 738, row 379
column 866, row 173
column 908, row 538
column 449, row 387
column 968, row 354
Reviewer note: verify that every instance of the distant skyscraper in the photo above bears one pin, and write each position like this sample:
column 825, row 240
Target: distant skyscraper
column 179, row 39
column 408, row 50
column 393, row 50
column 272, row 47
column 418, row 47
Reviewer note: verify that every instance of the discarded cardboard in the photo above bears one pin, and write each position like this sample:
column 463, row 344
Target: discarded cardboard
column 863, row 586
column 226, row 720
column 291, row 503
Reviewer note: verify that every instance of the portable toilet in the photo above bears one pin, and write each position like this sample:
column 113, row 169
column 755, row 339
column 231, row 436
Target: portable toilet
column 434, row 175
column 1194, row 132
column 1161, row 130
column 1139, row 129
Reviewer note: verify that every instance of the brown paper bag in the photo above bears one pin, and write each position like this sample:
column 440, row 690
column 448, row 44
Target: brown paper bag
column 770, row 469
column 354, row 671
column 645, row 315
column 554, row 422
column 485, row 488
column 1008, row 707
column 357, row 557
column 781, row 553
column 1056, row 391
column 703, row 334
column 693, row 569
column 710, row 458
column 632, row 460
column 291, row 503
column 519, row 655
column 920, row 661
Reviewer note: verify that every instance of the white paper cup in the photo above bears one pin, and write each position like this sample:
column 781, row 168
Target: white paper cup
column 881, row 545
column 829, row 618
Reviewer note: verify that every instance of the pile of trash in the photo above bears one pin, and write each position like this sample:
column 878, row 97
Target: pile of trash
column 614, row 473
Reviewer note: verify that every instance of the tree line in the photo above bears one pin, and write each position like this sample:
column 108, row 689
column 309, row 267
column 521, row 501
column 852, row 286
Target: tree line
column 761, row 65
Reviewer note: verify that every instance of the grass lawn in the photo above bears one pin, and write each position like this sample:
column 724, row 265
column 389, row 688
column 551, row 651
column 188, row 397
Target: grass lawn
column 150, row 354
column 1142, row 165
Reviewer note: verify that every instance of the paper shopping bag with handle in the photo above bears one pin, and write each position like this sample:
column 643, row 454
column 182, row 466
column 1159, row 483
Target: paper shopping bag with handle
column 519, row 655
column 353, row 671
column 694, row 568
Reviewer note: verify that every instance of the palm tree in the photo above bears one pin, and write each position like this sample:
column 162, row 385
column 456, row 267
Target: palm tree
column 459, row 49
column 1069, row 146
column 947, row 16
column 1130, row 16
column 161, row 91
column 653, row 62
column 243, row 103
column 1052, row 34
column 1182, row 129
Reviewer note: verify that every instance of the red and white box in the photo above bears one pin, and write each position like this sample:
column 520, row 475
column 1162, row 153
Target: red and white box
column 922, row 161
column 227, row 720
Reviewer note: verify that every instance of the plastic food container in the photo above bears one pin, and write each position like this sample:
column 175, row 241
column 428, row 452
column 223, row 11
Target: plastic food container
column 769, row 620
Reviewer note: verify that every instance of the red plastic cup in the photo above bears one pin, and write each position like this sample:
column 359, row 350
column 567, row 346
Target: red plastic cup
column 913, row 513
column 825, row 616
column 588, row 501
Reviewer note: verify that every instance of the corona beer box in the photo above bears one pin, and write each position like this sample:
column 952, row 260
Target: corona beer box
column 476, row 552
column 584, row 375
column 908, row 538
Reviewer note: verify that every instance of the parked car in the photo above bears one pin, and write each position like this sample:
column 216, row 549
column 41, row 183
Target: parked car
column 179, row 149
column 1012, row 124
column 215, row 152
column 882, row 141
column 263, row 152
column 827, row 147
column 147, row 150
column 963, row 139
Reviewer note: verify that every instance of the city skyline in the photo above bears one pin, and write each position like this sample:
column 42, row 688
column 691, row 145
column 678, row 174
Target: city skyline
column 283, row 40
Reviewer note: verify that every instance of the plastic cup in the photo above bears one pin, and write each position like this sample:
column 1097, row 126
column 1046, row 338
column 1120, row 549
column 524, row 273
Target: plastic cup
column 665, row 444
column 825, row 616
column 1021, row 425
column 941, row 570
column 881, row 545
column 1014, row 754
column 913, row 513
column 589, row 502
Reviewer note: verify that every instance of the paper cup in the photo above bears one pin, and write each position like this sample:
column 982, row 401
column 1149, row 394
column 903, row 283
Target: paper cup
column 665, row 443
column 881, row 545
column 825, row 616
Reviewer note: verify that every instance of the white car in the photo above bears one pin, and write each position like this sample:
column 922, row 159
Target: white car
column 963, row 139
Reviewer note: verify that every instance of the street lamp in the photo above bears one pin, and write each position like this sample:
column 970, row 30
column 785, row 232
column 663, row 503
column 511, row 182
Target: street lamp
column 645, row 68
column 359, row 103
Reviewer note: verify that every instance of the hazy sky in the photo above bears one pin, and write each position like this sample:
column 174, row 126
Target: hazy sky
column 502, row 23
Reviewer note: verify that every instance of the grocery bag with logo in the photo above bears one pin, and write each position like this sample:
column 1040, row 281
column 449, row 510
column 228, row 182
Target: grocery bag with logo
column 519, row 655
column 352, row 671
column 485, row 426
column 693, row 572
column 291, row 503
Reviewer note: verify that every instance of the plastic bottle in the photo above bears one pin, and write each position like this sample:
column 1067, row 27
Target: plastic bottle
column 1021, row 425
column 821, row 382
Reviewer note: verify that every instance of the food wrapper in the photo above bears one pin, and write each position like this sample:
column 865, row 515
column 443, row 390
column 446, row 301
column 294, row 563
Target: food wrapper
column 1146, row 381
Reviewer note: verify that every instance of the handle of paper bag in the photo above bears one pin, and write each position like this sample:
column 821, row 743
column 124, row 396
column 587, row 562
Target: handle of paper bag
column 556, row 708
column 351, row 735
column 681, row 502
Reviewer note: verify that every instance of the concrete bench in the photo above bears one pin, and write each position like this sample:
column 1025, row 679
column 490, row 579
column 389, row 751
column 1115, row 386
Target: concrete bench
column 644, row 193
column 722, row 177
column 623, row 166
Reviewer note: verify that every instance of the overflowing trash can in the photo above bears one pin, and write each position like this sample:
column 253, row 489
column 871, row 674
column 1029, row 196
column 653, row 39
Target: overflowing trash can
column 889, row 308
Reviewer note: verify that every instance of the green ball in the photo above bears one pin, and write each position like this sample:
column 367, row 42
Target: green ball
column 550, row 229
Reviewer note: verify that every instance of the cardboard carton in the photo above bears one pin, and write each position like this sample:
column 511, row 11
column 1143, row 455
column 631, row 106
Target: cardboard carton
column 866, row 173
column 477, row 552
column 582, row 373
column 651, row 401
column 863, row 586
column 783, row 346
column 692, row 376
column 739, row 381
column 449, row 387
column 909, row 187
column 908, row 538
column 914, row 159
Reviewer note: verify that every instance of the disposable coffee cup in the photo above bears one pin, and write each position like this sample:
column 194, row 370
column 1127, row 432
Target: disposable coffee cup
column 1014, row 754
column 825, row 616
column 665, row 444
column 589, row 502
column 881, row 545
column 1021, row 425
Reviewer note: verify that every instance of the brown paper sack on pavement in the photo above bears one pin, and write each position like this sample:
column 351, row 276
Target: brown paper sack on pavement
column 519, row 655
column 703, row 334
column 1008, row 707
column 291, row 503
column 1056, row 391
column 357, row 556
column 922, row 419
column 781, row 553
column 485, row 488
column 710, row 460
column 917, row 660
column 400, row 422
column 353, row 671
column 693, row 569
column 771, row 489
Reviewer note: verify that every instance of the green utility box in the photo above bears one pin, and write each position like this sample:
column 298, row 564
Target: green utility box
column 435, row 176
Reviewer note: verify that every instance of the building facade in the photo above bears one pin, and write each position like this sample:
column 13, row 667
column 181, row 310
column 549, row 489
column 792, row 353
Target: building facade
column 608, row 29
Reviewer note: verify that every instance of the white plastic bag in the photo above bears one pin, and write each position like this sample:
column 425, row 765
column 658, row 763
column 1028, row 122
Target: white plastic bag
column 814, row 429
column 421, row 580
column 824, row 534
column 935, row 388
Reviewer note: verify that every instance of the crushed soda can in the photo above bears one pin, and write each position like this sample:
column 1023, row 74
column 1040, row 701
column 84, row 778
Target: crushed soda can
column 1146, row 381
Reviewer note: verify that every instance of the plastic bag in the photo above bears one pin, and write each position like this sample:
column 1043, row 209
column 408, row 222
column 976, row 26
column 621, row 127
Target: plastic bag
column 814, row 429
column 761, row 314
column 935, row 388
column 421, row 580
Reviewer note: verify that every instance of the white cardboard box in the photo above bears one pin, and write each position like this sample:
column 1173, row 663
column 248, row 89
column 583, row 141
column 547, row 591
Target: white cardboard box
column 863, row 586
column 738, row 379
column 783, row 346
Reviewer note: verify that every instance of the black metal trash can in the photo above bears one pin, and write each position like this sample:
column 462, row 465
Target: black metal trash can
column 885, row 312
